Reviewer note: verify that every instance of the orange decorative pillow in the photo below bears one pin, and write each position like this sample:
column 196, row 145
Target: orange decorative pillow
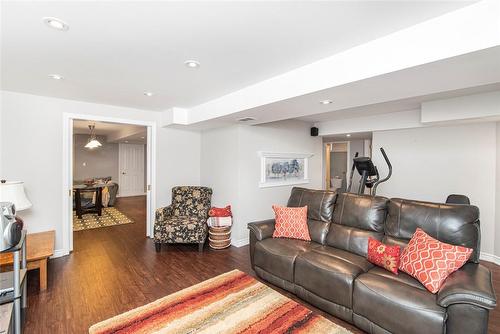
column 383, row 255
column 291, row 223
column 431, row 261
column 220, row 212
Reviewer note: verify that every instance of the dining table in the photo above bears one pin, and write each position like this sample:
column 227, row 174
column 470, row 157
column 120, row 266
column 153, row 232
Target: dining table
column 96, row 206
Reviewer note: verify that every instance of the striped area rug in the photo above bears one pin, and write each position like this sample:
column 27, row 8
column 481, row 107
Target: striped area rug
column 230, row 303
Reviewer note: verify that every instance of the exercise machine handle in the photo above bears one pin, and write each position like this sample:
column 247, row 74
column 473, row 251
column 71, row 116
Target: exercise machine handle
column 387, row 161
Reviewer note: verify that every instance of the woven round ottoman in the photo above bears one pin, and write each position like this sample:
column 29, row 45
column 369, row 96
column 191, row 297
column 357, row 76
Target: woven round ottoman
column 219, row 237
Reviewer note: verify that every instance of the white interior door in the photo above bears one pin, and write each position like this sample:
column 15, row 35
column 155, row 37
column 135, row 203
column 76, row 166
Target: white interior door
column 131, row 164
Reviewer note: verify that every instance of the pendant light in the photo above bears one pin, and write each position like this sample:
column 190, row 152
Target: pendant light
column 92, row 142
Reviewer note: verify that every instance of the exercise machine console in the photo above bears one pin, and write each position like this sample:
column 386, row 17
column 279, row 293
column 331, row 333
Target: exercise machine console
column 370, row 177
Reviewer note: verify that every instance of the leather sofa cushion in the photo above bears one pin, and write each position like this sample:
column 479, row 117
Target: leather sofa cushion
column 361, row 211
column 355, row 219
column 397, row 304
column 328, row 275
column 352, row 258
column 277, row 255
column 451, row 223
column 318, row 230
column 351, row 239
column 402, row 243
column 320, row 204
column 402, row 277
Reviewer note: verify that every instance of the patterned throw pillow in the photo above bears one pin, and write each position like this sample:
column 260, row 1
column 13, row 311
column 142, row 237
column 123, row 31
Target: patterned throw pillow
column 431, row 261
column 291, row 223
column 383, row 255
column 220, row 212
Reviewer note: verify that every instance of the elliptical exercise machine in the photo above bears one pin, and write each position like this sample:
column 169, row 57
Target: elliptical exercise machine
column 370, row 177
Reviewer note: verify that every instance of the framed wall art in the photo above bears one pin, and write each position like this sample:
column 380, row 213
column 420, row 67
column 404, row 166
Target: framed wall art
column 283, row 169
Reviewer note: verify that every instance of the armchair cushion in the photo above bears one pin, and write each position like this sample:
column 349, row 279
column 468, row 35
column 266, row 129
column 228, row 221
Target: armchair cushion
column 469, row 285
column 191, row 201
column 181, row 230
column 263, row 229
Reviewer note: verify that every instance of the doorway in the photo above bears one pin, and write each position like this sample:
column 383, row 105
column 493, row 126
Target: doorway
column 336, row 165
column 338, row 154
column 137, row 163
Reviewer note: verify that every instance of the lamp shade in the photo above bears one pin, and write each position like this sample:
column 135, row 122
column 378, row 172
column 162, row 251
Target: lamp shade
column 13, row 191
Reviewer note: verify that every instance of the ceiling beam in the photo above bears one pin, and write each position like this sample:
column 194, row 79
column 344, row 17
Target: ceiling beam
column 469, row 29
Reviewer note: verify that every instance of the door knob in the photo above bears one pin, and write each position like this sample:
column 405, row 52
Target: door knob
column 124, row 173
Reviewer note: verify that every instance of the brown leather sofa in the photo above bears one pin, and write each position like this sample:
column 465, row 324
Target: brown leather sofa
column 332, row 273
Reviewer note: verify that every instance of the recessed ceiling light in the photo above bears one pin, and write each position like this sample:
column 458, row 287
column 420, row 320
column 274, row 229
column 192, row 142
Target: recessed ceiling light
column 126, row 141
column 348, row 135
column 149, row 94
column 326, row 101
column 55, row 23
column 56, row 76
column 142, row 137
column 192, row 63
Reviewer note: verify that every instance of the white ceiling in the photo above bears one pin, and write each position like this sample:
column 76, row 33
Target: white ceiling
column 114, row 51
column 411, row 103
column 114, row 132
column 396, row 91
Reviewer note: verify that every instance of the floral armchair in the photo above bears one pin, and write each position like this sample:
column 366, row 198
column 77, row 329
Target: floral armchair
column 185, row 220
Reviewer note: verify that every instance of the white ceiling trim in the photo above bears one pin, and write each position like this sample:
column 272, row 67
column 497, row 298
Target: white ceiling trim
column 390, row 121
column 472, row 28
column 178, row 116
column 482, row 107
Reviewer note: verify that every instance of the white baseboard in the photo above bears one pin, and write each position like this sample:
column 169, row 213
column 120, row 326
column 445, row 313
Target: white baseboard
column 133, row 195
column 490, row 257
column 59, row 253
column 240, row 242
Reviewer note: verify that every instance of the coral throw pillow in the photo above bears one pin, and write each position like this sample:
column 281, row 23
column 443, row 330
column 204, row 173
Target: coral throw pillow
column 220, row 212
column 383, row 255
column 291, row 223
column 431, row 261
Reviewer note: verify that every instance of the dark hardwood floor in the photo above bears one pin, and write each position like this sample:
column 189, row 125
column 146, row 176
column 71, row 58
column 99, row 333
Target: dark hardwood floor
column 115, row 269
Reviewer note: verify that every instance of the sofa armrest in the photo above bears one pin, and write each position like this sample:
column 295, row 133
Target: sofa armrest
column 471, row 284
column 162, row 213
column 263, row 229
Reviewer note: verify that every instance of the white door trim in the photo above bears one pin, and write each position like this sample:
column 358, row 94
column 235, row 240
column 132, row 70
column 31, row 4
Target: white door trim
column 67, row 175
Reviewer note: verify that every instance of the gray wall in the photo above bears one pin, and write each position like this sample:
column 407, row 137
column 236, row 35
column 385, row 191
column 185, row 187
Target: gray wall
column 100, row 162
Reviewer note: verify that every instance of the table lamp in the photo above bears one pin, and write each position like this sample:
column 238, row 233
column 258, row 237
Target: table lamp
column 12, row 199
column 13, row 192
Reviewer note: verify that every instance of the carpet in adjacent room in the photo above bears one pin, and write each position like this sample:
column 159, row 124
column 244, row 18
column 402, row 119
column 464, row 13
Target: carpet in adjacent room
column 110, row 217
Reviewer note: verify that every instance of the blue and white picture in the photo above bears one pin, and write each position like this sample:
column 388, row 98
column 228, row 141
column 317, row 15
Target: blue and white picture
column 279, row 169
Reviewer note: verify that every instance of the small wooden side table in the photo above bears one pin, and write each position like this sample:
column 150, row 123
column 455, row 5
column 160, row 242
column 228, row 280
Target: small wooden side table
column 39, row 247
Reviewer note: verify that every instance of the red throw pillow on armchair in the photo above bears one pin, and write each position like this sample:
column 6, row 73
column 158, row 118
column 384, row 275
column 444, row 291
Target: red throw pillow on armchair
column 291, row 223
column 220, row 212
column 383, row 255
column 431, row 261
